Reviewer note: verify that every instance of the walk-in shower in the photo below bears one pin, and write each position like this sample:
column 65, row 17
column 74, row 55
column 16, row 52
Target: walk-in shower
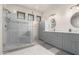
column 16, row 33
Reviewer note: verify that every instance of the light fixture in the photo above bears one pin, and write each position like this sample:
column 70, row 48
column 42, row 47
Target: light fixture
column 77, row 5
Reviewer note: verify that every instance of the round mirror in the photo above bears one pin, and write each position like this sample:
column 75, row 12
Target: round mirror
column 50, row 24
column 52, row 21
column 75, row 20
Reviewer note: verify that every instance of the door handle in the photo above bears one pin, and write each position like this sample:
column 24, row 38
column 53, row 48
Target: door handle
column 5, row 26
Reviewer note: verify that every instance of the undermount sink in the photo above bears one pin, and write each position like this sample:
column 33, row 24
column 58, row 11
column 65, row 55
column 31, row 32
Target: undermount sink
column 75, row 20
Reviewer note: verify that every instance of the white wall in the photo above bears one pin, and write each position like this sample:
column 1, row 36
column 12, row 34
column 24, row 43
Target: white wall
column 0, row 29
column 63, row 17
column 68, row 15
column 60, row 12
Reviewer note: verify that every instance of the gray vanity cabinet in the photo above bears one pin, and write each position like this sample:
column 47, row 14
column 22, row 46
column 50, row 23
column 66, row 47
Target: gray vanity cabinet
column 69, row 44
column 65, row 41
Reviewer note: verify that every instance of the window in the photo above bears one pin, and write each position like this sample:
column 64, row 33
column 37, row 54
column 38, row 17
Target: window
column 30, row 17
column 39, row 18
column 20, row 15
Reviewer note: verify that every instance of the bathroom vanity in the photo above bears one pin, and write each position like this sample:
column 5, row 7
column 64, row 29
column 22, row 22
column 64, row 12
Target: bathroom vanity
column 62, row 34
column 65, row 41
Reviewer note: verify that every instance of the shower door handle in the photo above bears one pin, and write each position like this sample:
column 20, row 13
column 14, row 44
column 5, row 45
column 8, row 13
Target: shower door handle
column 5, row 26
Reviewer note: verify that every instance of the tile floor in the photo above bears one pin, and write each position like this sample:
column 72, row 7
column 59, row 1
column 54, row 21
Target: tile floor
column 52, row 49
column 40, row 48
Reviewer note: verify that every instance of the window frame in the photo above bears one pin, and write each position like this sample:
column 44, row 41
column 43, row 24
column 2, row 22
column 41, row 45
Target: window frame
column 39, row 17
column 20, row 17
column 30, row 15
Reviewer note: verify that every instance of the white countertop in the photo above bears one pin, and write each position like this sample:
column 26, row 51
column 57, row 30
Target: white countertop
column 63, row 32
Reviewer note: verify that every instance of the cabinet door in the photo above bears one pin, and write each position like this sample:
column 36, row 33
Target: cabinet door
column 69, row 43
column 77, row 47
column 52, row 39
column 76, row 37
column 52, row 36
column 45, row 37
column 66, row 42
column 60, row 41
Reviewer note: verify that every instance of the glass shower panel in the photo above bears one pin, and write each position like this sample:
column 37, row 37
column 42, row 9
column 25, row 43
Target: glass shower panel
column 16, row 33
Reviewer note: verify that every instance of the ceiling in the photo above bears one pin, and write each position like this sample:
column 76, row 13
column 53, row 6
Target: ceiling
column 39, row 7
column 45, row 7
